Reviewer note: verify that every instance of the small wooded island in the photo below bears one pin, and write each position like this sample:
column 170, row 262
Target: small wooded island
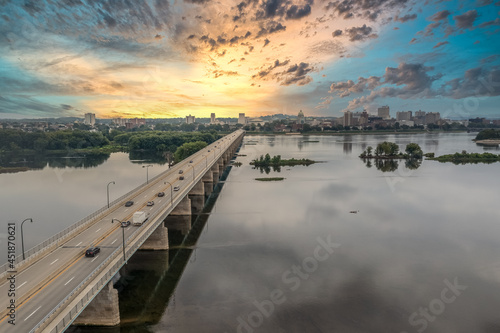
column 390, row 150
column 277, row 161
column 464, row 157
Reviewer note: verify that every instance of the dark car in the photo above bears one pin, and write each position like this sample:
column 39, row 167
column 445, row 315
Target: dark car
column 180, row 171
column 190, row 161
column 181, row 178
column 161, row 194
column 129, row 203
column 125, row 224
column 91, row 252
column 177, row 188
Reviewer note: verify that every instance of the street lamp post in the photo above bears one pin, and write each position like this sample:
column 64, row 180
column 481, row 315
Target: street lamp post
column 108, row 190
column 193, row 171
column 171, row 191
column 147, row 173
column 123, row 236
column 22, row 237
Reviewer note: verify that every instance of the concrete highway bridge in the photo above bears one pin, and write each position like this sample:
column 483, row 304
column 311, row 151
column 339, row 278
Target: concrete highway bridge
column 56, row 285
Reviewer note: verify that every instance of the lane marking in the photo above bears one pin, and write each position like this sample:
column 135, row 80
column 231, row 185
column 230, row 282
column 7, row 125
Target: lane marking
column 126, row 209
column 22, row 284
column 98, row 230
column 113, row 242
column 94, row 258
column 69, row 280
column 33, row 313
column 54, row 261
column 78, row 243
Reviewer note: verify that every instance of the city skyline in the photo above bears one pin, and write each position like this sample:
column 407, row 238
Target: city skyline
column 172, row 59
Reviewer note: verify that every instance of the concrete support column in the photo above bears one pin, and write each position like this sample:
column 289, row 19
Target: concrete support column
column 207, row 177
column 198, row 189
column 209, row 187
column 179, row 222
column 102, row 311
column 197, row 203
column 157, row 241
column 215, row 172
column 183, row 207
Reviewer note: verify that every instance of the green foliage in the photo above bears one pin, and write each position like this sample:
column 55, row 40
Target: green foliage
column 464, row 157
column 414, row 150
column 188, row 149
column 276, row 161
column 488, row 134
column 270, row 179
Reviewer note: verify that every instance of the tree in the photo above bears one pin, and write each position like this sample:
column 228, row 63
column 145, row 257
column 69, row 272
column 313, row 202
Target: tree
column 369, row 150
column 414, row 150
column 188, row 149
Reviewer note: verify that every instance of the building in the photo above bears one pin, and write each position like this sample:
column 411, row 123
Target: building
column 347, row 121
column 89, row 119
column 300, row 118
column 432, row 118
column 212, row 118
column 403, row 115
column 241, row 119
column 190, row 119
column 383, row 112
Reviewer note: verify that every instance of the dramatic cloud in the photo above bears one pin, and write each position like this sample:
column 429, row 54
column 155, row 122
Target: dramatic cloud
column 296, row 74
column 439, row 16
column 466, row 20
column 476, row 82
column 440, row 44
column 360, row 33
column 406, row 18
column 405, row 81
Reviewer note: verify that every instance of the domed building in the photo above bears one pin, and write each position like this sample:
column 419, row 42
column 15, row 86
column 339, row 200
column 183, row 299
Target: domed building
column 300, row 118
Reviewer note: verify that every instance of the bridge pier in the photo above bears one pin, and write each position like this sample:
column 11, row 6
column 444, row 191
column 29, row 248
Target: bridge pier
column 197, row 203
column 103, row 310
column 179, row 222
column 183, row 207
column 209, row 187
column 197, row 189
column 158, row 240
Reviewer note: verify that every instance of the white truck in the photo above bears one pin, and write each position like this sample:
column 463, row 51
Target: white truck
column 139, row 218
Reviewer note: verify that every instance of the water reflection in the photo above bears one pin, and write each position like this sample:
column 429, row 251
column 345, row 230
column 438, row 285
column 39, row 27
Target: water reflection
column 391, row 165
column 148, row 156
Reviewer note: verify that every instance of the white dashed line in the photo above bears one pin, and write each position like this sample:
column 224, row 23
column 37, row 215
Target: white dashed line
column 69, row 280
column 33, row 313
column 54, row 261
column 94, row 259
column 98, row 230
column 22, row 284
column 113, row 242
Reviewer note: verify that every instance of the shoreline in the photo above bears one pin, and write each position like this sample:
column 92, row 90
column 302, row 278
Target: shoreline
column 348, row 133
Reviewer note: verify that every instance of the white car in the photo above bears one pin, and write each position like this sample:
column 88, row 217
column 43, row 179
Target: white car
column 177, row 188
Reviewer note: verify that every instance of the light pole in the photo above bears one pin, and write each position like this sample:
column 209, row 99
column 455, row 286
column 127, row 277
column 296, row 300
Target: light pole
column 22, row 237
column 193, row 170
column 108, row 190
column 147, row 173
column 206, row 160
column 171, row 192
column 123, row 236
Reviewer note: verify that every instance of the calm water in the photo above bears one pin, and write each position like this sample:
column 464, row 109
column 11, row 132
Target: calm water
column 421, row 253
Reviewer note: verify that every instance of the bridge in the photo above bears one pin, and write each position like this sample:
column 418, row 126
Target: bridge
column 56, row 284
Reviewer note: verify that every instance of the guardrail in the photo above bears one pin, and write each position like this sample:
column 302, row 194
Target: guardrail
column 39, row 249
column 89, row 296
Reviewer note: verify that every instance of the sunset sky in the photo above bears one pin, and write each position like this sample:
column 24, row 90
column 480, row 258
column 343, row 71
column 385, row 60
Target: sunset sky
column 158, row 59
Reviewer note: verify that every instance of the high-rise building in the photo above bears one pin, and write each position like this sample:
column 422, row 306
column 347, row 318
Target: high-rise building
column 190, row 119
column 300, row 118
column 403, row 115
column 212, row 118
column 89, row 119
column 241, row 119
column 384, row 112
column 432, row 117
column 347, row 119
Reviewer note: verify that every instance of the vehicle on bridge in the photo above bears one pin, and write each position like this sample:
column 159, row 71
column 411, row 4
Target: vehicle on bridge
column 91, row 252
column 129, row 203
column 177, row 188
column 181, row 178
column 150, row 203
column 161, row 194
column 125, row 224
column 139, row 218
column 180, row 171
